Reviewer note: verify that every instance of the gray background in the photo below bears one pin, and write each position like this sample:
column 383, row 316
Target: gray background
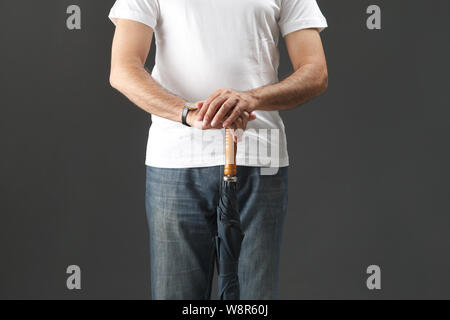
column 368, row 180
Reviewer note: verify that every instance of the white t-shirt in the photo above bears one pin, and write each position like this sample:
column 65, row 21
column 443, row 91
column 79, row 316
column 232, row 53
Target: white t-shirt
column 204, row 45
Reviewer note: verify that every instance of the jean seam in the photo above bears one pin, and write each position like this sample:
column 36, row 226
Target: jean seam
column 210, row 270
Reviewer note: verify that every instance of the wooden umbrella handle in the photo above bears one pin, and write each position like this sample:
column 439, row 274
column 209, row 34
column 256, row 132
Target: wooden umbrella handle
column 230, row 154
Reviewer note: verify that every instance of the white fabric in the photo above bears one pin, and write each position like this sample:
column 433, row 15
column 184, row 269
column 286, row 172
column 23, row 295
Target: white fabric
column 203, row 45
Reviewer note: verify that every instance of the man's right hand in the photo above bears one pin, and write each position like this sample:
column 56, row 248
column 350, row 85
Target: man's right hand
column 238, row 126
column 193, row 116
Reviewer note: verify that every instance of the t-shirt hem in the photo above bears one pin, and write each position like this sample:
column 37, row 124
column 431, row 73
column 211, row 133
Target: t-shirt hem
column 213, row 163
column 132, row 15
column 319, row 24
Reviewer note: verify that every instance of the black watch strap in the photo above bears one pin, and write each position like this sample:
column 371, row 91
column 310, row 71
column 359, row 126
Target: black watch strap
column 186, row 110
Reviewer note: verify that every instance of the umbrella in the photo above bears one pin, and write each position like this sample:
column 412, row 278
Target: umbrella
column 229, row 233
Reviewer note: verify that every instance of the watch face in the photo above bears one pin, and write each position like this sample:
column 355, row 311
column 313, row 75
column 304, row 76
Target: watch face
column 191, row 106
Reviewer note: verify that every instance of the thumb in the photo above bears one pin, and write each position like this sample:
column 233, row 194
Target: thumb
column 199, row 104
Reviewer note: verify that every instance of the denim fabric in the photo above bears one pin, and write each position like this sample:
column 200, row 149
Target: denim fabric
column 181, row 212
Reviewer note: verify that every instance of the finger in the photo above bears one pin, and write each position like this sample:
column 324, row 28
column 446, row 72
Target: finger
column 212, row 109
column 246, row 119
column 234, row 125
column 202, row 111
column 244, row 124
column 252, row 116
column 199, row 104
column 234, row 115
column 239, row 122
column 208, row 101
column 223, row 111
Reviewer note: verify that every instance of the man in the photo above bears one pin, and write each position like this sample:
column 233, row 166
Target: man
column 216, row 67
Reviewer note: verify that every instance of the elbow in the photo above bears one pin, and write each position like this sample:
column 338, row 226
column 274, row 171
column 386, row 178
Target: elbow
column 322, row 84
column 117, row 75
column 120, row 74
column 113, row 80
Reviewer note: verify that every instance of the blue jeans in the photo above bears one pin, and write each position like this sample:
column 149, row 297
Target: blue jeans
column 181, row 213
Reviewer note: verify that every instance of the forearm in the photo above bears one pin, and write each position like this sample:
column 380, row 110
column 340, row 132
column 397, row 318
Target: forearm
column 307, row 82
column 137, row 84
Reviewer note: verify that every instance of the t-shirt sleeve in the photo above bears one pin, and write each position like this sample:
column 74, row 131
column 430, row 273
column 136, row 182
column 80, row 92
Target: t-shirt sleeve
column 300, row 14
column 144, row 11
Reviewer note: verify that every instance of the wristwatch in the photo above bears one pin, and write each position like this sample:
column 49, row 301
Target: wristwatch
column 187, row 107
